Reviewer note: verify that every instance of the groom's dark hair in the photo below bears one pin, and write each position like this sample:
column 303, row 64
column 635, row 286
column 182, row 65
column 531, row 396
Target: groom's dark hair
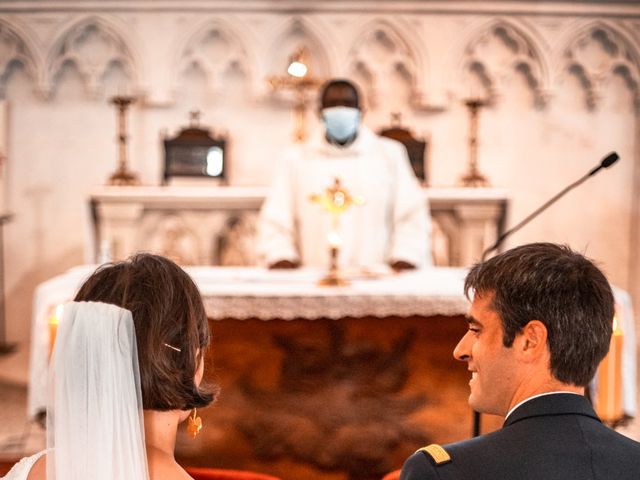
column 562, row 289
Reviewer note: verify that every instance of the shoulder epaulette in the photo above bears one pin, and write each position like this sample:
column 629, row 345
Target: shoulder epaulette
column 438, row 454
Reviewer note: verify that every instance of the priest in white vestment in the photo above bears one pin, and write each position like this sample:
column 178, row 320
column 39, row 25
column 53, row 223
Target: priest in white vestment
column 391, row 226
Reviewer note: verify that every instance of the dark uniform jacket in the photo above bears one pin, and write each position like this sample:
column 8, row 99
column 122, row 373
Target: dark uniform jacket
column 552, row 437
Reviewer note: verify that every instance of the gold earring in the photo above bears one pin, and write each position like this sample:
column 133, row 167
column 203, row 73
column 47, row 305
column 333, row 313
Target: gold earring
column 194, row 424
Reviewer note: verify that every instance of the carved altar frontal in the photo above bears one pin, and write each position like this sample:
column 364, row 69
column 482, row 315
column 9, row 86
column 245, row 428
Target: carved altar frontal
column 330, row 399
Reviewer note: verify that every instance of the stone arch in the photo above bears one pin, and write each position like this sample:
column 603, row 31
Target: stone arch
column 382, row 48
column 497, row 50
column 93, row 45
column 201, row 48
column 17, row 48
column 595, row 52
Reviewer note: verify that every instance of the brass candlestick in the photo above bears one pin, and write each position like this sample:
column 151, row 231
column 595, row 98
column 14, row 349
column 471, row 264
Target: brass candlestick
column 473, row 177
column 300, row 80
column 122, row 176
column 336, row 200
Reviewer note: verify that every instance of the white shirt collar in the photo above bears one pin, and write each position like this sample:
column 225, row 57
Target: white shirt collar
column 536, row 396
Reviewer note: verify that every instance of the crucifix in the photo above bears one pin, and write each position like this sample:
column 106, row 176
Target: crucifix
column 194, row 118
column 300, row 80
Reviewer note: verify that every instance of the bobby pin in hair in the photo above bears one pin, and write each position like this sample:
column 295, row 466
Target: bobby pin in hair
column 172, row 347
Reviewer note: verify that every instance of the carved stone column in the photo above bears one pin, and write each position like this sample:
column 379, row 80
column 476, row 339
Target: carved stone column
column 477, row 225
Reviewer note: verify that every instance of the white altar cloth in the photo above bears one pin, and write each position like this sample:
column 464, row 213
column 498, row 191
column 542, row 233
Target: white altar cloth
column 250, row 292
column 243, row 293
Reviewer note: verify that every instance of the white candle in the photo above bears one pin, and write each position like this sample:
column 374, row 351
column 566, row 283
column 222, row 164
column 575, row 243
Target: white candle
column 609, row 396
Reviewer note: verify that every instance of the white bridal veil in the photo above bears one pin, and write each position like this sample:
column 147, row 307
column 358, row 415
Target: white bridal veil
column 94, row 417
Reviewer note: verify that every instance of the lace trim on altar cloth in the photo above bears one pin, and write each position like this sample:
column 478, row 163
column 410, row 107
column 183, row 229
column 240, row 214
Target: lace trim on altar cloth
column 310, row 308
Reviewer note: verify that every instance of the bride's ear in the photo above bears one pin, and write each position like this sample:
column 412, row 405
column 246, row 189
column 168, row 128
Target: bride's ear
column 200, row 370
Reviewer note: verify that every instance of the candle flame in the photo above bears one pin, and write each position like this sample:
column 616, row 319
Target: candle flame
column 54, row 321
column 334, row 239
column 297, row 69
column 617, row 325
column 57, row 316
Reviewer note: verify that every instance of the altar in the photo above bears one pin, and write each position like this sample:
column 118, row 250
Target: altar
column 317, row 383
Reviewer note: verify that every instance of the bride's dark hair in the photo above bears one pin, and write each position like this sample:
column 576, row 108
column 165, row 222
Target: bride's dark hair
column 167, row 312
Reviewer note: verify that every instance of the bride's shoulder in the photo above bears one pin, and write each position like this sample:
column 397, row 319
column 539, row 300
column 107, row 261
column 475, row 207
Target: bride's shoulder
column 167, row 471
column 164, row 467
column 21, row 470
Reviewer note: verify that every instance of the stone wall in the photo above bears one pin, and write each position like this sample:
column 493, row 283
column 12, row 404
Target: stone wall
column 562, row 79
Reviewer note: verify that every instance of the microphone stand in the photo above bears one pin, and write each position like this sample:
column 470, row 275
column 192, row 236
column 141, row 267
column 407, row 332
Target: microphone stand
column 606, row 162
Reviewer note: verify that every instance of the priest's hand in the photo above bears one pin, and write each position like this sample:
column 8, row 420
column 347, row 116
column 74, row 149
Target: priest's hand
column 284, row 264
column 400, row 265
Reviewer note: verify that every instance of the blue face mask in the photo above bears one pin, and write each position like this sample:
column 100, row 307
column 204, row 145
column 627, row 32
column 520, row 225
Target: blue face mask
column 341, row 122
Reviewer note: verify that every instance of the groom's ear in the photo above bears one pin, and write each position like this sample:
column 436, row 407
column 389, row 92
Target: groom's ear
column 531, row 343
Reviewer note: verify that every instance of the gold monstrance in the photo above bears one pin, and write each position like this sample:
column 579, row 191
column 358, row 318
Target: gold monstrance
column 123, row 176
column 336, row 200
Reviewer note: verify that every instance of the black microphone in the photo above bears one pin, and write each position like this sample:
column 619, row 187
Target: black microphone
column 606, row 162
